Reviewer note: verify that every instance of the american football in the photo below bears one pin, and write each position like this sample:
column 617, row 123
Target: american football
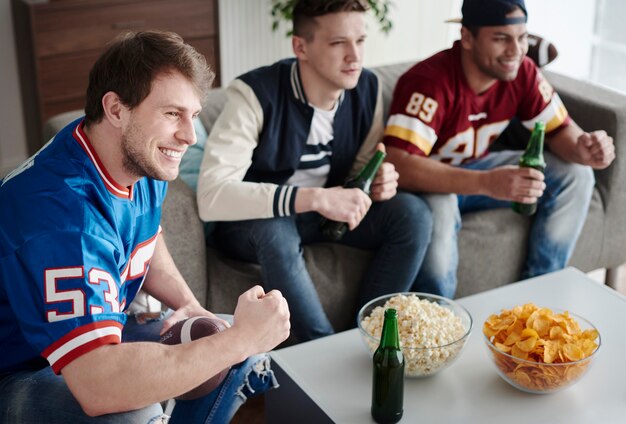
column 540, row 50
column 191, row 329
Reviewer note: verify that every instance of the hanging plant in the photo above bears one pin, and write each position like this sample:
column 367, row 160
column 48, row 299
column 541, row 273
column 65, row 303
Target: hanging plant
column 282, row 10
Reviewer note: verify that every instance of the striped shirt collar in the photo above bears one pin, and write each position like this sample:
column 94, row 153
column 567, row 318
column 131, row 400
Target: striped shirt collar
column 298, row 89
column 114, row 188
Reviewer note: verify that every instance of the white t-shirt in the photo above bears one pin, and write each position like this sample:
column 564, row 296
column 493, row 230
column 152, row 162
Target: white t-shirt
column 314, row 163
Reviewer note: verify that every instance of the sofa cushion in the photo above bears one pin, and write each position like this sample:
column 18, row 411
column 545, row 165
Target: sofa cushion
column 190, row 167
column 184, row 235
column 336, row 271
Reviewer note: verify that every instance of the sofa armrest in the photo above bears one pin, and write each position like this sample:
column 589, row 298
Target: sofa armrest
column 594, row 108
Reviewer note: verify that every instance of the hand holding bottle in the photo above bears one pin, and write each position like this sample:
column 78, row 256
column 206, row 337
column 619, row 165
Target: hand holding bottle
column 346, row 205
column 532, row 159
column 513, row 183
column 336, row 229
column 385, row 185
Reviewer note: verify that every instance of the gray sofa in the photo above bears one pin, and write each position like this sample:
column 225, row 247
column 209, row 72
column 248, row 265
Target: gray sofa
column 492, row 243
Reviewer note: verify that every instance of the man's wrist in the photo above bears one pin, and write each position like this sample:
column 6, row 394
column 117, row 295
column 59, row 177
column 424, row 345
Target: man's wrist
column 479, row 183
column 307, row 199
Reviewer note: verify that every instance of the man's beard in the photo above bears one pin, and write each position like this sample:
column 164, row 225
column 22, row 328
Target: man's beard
column 495, row 73
column 137, row 161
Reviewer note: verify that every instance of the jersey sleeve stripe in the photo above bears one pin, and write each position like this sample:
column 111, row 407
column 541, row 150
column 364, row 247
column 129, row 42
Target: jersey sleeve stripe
column 412, row 130
column 560, row 117
column 80, row 341
column 410, row 137
column 85, row 348
column 554, row 115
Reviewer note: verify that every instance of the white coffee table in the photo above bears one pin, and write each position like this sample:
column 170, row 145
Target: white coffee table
column 329, row 379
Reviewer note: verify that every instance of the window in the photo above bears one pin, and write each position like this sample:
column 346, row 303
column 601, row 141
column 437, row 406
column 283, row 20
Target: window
column 608, row 47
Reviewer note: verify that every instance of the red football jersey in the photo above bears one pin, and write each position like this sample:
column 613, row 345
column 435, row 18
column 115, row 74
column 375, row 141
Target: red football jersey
column 435, row 113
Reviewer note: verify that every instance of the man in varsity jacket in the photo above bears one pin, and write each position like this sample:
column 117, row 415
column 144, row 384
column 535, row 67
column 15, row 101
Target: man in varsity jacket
column 80, row 236
column 289, row 136
column 449, row 108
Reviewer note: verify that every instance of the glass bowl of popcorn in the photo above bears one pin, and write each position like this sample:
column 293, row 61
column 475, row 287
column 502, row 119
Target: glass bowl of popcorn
column 540, row 350
column 433, row 329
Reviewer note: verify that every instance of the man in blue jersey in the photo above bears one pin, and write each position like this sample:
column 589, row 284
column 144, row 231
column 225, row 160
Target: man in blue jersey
column 274, row 163
column 80, row 235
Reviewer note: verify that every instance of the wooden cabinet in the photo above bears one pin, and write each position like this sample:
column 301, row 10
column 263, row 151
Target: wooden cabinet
column 59, row 40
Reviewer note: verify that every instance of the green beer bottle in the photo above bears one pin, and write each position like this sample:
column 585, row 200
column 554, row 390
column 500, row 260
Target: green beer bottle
column 388, row 379
column 532, row 158
column 335, row 230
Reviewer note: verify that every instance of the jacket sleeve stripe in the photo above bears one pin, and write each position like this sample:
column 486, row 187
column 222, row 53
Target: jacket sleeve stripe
column 280, row 200
column 285, row 200
column 285, row 204
column 292, row 201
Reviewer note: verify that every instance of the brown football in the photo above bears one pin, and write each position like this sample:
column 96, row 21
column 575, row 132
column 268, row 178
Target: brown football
column 191, row 329
column 540, row 50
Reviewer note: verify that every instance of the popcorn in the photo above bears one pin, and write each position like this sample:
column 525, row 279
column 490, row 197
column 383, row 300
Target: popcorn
column 428, row 333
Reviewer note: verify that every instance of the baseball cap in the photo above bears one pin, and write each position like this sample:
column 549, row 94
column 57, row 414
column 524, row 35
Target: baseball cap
column 490, row 13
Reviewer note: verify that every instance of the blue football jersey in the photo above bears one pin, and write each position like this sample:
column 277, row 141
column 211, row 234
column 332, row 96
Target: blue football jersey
column 75, row 247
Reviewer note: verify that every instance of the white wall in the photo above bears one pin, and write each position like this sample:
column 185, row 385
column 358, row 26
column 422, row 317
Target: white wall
column 418, row 32
column 246, row 40
column 569, row 25
column 246, row 37
column 12, row 133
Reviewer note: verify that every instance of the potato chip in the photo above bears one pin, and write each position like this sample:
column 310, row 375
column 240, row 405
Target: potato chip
column 542, row 325
column 533, row 336
column 550, row 351
column 518, row 352
column 572, row 352
column 528, row 340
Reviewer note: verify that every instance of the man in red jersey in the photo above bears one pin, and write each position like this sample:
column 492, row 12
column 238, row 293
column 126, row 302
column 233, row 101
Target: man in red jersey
column 449, row 108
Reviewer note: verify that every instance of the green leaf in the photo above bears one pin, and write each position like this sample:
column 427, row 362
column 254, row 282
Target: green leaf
column 282, row 10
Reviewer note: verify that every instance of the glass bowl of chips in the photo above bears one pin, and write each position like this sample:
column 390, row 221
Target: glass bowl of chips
column 433, row 329
column 540, row 350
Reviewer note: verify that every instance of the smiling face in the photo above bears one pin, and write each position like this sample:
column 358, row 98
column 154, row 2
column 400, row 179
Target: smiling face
column 331, row 60
column 497, row 51
column 159, row 130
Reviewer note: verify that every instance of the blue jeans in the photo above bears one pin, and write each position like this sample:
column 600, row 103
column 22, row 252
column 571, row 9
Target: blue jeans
column 398, row 230
column 43, row 397
column 561, row 213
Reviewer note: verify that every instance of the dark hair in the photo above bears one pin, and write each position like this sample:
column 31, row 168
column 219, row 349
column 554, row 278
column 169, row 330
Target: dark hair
column 134, row 60
column 473, row 29
column 305, row 12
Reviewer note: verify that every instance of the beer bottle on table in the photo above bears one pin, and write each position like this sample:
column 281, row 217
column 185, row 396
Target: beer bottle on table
column 335, row 230
column 532, row 158
column 388, row 376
